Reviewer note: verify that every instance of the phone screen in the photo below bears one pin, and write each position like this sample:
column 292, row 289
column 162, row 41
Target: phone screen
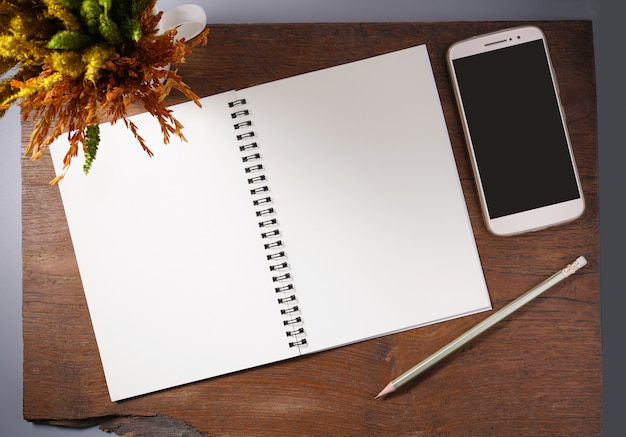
column 518, row 136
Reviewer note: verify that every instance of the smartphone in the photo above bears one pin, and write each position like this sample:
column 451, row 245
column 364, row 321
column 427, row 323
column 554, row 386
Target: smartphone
column 515, row 131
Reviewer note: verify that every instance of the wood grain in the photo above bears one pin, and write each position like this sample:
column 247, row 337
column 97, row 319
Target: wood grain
column 536, row 373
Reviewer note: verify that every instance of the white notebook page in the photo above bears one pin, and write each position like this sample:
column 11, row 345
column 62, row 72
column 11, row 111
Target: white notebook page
column 170, row 255
column 370, row 203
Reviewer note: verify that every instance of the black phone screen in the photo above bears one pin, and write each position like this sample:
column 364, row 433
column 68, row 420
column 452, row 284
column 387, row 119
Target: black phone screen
column 516, row 129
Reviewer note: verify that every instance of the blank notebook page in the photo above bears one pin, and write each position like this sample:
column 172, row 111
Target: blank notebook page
column 367, row 192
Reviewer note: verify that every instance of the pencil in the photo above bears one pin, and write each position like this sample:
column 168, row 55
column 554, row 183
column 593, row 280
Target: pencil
column 482, row 326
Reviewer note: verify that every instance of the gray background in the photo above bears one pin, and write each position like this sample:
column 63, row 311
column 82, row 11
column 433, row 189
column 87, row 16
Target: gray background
column 608, row 20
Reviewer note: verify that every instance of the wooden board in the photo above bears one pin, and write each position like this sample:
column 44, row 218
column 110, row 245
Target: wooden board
column 538, row 372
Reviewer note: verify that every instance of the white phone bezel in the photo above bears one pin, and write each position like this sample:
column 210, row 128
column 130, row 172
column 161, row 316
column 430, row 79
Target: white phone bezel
column 530, row 220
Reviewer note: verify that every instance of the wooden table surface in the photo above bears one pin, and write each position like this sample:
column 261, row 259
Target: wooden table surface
column 536, row 373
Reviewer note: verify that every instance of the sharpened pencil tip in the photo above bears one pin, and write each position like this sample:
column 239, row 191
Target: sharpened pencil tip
column 389, row 388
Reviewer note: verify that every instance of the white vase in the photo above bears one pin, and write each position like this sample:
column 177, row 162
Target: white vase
column 189, row 20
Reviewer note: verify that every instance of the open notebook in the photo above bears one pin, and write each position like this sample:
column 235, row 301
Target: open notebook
column 206, row 259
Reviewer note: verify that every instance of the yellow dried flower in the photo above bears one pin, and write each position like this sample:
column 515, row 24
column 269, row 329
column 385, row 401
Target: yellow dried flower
column 94, row 57
column 28, row 24
column 34, row 85
column 18, row 47
column 63, row 13
column 69, row 63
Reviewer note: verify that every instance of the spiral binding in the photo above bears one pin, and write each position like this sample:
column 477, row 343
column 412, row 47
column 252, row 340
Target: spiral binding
column 268, row 224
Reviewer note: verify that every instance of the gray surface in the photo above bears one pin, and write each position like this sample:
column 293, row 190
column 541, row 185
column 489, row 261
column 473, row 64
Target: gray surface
column 608, row 17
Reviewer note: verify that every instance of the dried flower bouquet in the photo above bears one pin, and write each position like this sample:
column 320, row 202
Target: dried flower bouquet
column 78, row 63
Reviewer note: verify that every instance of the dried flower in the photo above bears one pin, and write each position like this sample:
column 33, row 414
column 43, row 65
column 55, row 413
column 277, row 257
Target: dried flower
column 83, row 62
